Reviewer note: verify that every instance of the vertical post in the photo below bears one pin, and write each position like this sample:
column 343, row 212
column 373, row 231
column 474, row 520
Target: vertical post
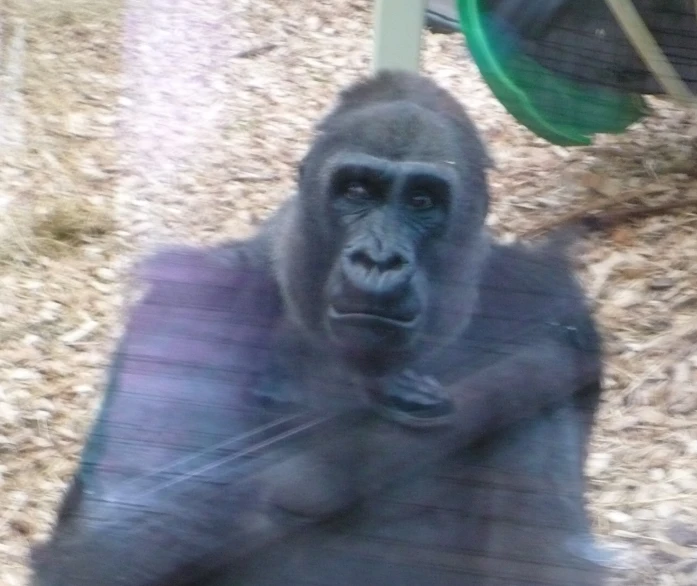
column 398, row 27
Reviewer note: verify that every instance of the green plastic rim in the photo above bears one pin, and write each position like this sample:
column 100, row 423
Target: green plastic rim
column 561, row 111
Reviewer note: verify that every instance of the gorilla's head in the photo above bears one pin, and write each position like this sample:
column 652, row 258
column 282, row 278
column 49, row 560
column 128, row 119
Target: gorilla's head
column 384, row 246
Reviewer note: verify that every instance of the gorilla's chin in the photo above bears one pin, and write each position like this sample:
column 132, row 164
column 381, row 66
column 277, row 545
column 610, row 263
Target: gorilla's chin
column 372, row 342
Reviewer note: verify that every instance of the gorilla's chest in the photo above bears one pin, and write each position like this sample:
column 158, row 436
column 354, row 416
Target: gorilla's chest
column 462, row 522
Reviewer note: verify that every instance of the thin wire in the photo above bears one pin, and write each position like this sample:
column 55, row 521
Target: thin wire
column 250, row 450
column 223, row 444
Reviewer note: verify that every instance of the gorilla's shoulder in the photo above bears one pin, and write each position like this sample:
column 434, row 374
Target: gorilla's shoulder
column 536, row 277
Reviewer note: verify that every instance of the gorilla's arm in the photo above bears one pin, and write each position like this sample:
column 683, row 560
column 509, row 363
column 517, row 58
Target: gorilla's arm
column 519, row 387
column 535, row 318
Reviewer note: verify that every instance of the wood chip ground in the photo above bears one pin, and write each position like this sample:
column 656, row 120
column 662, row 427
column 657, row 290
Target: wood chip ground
column 127, row 125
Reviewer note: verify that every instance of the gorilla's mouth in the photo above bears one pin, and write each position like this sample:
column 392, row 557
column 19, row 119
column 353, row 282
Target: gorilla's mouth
column 371, row 339
column 373, row 342
column 372, row 318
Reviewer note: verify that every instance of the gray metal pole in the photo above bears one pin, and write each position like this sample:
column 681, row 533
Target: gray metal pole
column 398, row 27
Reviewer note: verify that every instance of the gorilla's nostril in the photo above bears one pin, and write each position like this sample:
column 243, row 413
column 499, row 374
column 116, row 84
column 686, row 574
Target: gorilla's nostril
column 363, row 259
column 393, row 262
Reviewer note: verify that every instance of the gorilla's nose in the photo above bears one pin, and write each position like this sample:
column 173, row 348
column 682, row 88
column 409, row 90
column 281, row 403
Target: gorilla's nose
column 391, row 261
column 378, row 272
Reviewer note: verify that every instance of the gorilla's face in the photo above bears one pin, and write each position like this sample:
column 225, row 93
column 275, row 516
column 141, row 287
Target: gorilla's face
column 385, row 213
column 390, row 218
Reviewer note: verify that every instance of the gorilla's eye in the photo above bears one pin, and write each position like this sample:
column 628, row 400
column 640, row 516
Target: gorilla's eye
column 356, row 191
column 421, row 201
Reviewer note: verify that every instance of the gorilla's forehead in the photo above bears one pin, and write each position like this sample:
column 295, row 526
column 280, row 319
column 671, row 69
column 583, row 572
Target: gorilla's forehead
column 396, row 131
column 445, row 169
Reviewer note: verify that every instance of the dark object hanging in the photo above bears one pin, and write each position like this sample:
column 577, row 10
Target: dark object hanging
column 565, row 69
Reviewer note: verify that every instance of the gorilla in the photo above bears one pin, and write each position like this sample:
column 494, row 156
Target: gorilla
column 295, row 369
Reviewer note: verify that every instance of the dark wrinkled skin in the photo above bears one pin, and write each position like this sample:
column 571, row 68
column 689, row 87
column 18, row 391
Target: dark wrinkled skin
column 318, row 488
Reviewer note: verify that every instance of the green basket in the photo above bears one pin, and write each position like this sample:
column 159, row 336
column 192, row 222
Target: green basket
column 559, row 110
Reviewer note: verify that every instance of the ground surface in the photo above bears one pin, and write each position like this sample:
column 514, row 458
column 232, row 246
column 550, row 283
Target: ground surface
column 123, row 126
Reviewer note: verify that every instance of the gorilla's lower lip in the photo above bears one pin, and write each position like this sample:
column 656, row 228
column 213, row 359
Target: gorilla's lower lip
column 372, row 318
